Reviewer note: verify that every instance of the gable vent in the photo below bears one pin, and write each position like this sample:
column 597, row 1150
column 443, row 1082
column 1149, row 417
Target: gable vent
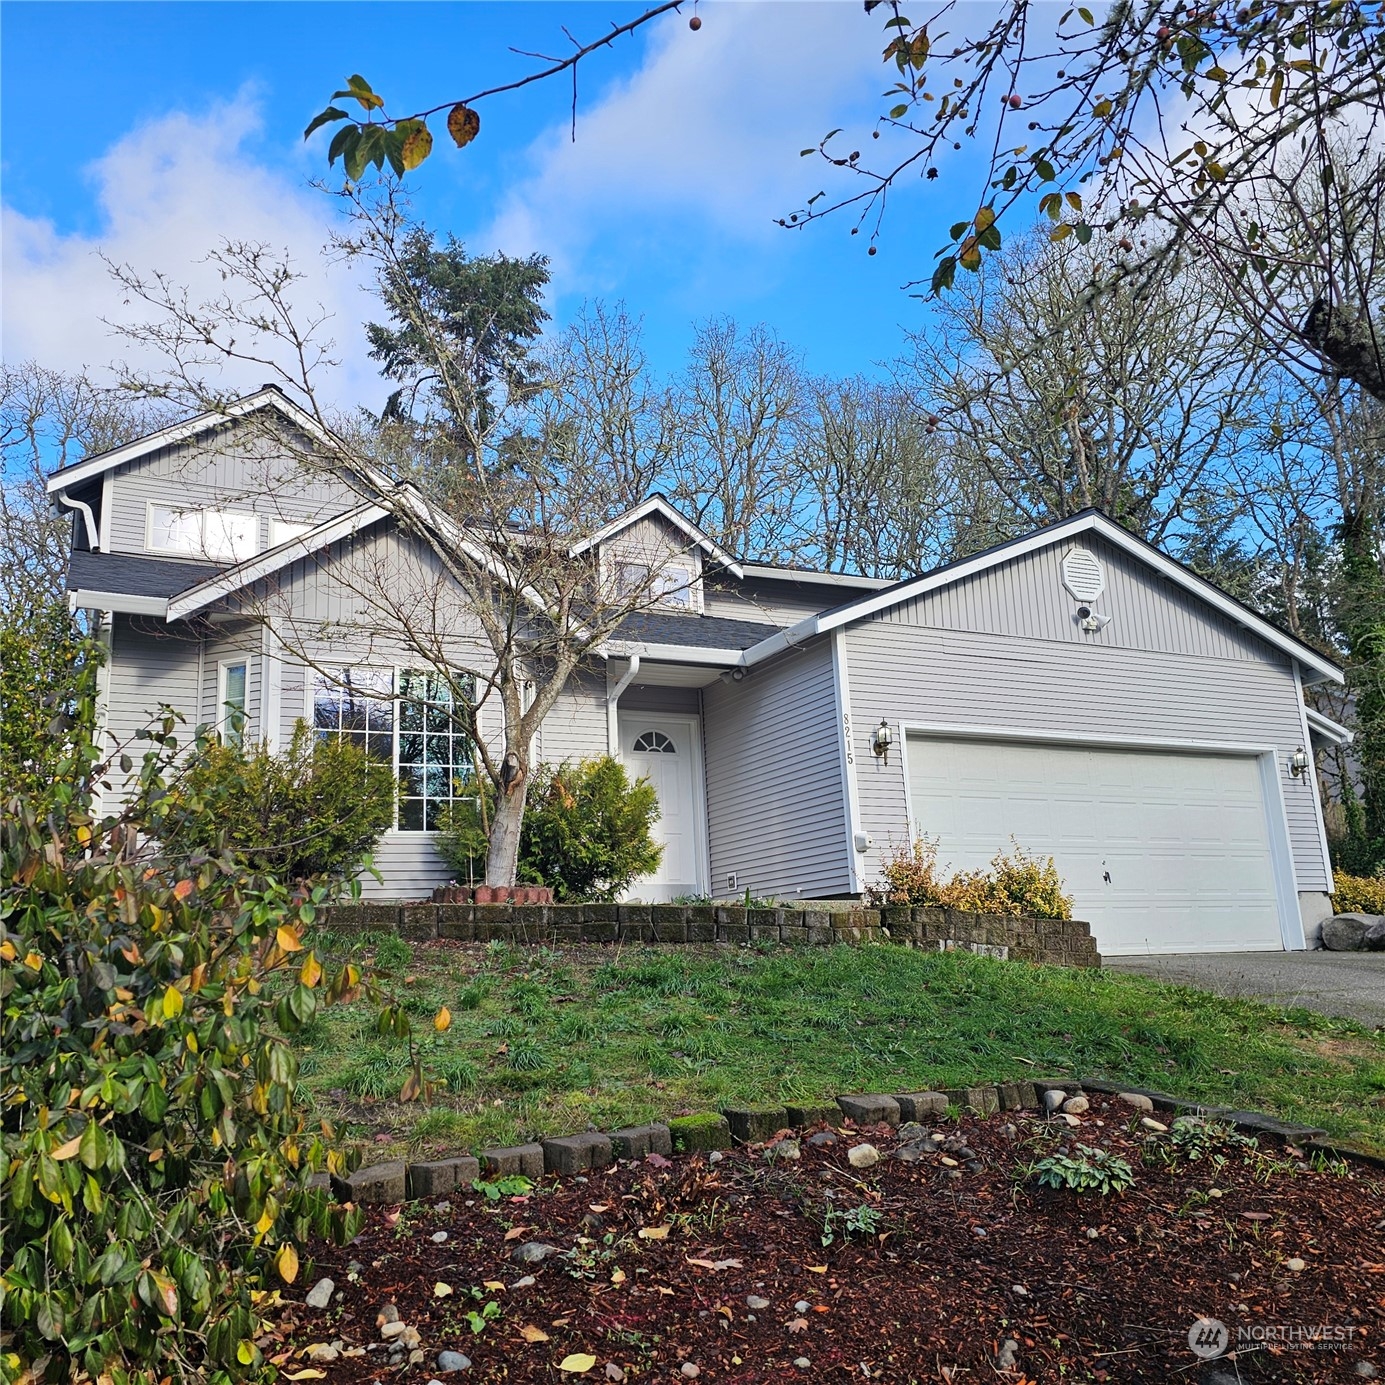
column 1082, row 575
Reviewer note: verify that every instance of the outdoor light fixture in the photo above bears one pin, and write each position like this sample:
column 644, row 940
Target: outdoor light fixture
column 880, row 741
column 1298, row 763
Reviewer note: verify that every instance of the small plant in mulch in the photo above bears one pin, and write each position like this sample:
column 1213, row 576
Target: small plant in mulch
column 1192, row 1139
column 494, row 1189
column 851, row 1221
column 1086, row 1170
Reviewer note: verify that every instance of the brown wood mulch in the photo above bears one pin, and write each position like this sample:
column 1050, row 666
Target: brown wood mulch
column 966, row 1257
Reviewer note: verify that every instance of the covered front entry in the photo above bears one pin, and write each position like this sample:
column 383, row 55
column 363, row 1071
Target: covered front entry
column 667, row 750
column 1163, row 851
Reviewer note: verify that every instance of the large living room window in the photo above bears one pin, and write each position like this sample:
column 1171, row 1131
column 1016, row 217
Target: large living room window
column 406, row 719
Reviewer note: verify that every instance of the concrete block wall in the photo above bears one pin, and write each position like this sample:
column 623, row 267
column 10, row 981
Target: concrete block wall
column 1057, row 942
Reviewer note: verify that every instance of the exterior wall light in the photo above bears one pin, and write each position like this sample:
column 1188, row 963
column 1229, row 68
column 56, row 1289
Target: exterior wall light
column 880, row 741
column 1298, row 763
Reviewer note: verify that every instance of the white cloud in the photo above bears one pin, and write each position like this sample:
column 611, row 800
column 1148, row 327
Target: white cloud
column 167, row 194
column 707, row 130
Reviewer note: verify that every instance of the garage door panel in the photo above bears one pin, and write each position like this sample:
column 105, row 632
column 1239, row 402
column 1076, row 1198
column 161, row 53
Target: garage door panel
column 1184, row 838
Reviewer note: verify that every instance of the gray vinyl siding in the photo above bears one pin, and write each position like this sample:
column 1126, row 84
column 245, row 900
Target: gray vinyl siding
column 576, row 727
column 149, row 666
column 775, row 602
column 410, row 865
column 774, row 779
column 650, row 697
column 653, row 541
column 1000, row 650
column 236, row 468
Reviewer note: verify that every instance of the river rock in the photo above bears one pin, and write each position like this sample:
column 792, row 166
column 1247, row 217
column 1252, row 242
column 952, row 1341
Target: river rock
column 863, row 1156
column 320, row 1295
column 453, row 1361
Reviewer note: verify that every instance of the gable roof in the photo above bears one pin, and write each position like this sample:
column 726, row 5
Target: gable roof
column 657, row 505
column 267, row 397
column 1085, row 522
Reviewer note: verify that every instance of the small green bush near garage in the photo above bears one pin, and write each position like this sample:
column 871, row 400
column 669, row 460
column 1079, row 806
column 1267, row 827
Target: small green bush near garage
column 546, row 1040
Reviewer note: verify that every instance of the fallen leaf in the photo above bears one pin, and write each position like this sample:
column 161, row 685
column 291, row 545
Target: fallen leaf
column 494, row 1285
column 658, row 1161
column 1256, row 1216
column 561, row 1322
column 598, row 1206
column 723, row 1309
column 655, row 1233
column 441, row 1290
column 617, row 1276
column 515, row 1232
column 821, row 1308
column 307, row 1373
column 796, row 1325
column 816, row 1269
column 530, row 1333
column 579, row 1363
column 717, row 1264
column 442, row 1020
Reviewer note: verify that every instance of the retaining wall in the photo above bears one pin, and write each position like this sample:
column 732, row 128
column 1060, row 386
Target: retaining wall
column 1058, row 942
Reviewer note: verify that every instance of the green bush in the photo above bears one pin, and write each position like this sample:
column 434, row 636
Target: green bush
column 1017, row 884
column 586, row 833
column 158, row 1163
column 316, row 809
column 1357, row 894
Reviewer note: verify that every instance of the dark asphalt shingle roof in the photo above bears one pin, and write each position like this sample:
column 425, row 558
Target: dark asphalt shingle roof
column 693, row 632
column 133, row 575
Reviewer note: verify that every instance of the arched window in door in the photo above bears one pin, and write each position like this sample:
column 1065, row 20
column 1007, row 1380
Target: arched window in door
column 654, row 743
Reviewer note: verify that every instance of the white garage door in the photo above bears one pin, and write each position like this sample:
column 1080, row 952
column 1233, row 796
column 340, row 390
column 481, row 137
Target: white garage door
column 1162, row 852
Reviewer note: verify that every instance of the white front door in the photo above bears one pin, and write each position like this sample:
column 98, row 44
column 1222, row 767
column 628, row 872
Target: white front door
column 667, row 750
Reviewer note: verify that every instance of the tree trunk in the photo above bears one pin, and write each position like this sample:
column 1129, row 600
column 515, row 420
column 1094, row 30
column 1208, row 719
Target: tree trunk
column 502, row 854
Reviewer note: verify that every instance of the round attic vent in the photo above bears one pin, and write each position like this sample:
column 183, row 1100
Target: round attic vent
column 1082, row 575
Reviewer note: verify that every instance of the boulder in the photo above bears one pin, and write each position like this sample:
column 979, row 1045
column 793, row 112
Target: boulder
column 1347, row 932
column 1374, row 939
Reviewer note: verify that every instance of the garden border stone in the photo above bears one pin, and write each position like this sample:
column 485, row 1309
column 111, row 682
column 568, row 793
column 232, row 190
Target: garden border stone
column 1053, row 942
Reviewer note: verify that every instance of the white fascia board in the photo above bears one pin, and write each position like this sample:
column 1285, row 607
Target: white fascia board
column 272, row 560
column 122, row 603
column 1044, row 538
column 656, row 504
column 817, row 579
column 672, row 653
column 1328, row 729
column 180, row 432
column 781, row 640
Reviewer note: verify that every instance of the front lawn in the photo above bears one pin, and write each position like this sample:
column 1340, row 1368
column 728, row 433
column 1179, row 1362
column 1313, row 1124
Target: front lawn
column 548, row 1040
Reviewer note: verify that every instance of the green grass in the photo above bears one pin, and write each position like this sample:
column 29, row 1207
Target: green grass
column 545, row 1041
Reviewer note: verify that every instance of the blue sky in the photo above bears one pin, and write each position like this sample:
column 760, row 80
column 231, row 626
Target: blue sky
column 147, row 131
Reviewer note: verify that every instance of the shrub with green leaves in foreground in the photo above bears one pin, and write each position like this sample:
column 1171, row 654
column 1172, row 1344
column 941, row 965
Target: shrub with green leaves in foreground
column 157, row 1157
column 587, row 832
column 316, row 808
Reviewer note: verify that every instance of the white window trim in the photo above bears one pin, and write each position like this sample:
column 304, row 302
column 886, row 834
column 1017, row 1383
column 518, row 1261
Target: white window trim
column 223, row 717
column 1268, row 758
column 200, row 512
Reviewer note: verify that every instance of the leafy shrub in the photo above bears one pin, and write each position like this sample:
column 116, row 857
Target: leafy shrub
column 316, row 809
column 586, row 832
column 1193, row 1138
column 1357, row 894
column 851, row 1221
column 1087, row 1170
column 158, row 1163
column 1017, row 884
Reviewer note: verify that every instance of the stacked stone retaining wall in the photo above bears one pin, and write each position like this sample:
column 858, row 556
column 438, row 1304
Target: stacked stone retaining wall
column 1058, row 942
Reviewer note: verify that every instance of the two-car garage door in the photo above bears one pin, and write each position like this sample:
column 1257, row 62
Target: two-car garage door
column 1162, row 851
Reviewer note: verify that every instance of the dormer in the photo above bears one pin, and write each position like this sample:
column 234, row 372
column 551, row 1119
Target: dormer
column 655, row 549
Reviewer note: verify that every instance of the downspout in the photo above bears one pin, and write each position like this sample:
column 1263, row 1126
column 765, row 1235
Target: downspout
column 93, row 534
column 613, row 697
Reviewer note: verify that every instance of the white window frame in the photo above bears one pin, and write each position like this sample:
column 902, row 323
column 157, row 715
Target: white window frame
column 395, row 671
column 284, row 530
column 223, row 715
column 199, row 515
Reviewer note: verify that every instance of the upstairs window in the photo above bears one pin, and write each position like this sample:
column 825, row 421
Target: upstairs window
column 670, row 585
column 220, row 536
column 282, row 530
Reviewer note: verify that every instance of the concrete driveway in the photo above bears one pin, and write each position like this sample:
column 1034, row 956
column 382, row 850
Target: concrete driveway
column 1350, row 984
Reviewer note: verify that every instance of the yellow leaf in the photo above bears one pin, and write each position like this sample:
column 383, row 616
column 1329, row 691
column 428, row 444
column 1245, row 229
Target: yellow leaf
column 286, row 1262
column 442, row 1020
column 66, row 1151
column 530, row 1333
column 418, row 144
column 494, row 1285
column 441, row 1290
column 816, row 1269
column 654, row 1233
column 307, row 1373
column 463, row 124
column 579, row 1363
column 985, row 219
column 617, row 1276
column 34, row 962
column 8, row 951
column 287, row 938
column 172, row 1003
column 310, row 973
column 264, row 1223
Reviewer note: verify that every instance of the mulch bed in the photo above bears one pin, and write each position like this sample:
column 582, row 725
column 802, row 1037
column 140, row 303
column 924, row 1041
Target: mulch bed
column 964, row 1258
